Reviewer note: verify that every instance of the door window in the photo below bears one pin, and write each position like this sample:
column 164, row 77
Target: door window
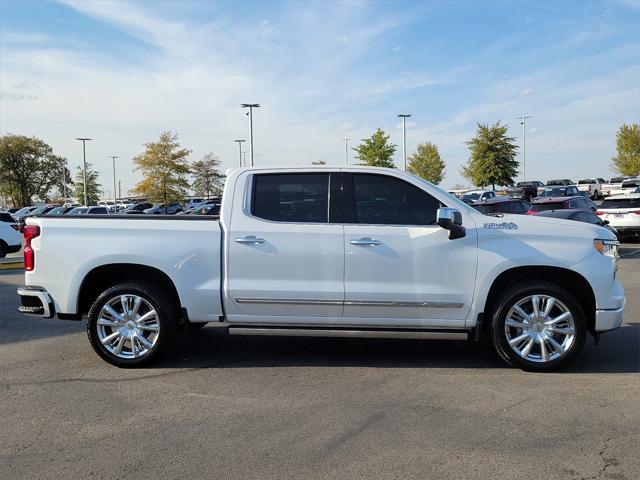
column 384, row 200
column 298, row 197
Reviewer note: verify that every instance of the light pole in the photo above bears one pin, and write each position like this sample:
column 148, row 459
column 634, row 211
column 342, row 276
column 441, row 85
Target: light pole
column 346, row 150
column 250, row 106
column 84, row 164
column 404, row 117
column 240, row 149
column 244, row 157
column 113, row 158
column 523, row 122
column 64, row 181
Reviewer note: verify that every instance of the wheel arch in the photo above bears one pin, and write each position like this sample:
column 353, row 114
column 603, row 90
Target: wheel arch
column 104, row 276
column 571, row 281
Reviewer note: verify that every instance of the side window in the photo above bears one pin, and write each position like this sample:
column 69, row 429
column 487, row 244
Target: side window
column 291, row 197
column 517, row 207
column 383, row 200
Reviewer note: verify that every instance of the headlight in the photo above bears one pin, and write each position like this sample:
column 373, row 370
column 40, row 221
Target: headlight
column 607, row 247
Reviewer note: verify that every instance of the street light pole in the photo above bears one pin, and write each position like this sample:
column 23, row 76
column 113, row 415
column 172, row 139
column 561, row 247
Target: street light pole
column 523, row 122
column 240, row 149
column 244, row 157
column 84, row 164
column 64, row 181
column 250, row 106
column 113, row 157
column 346, row 150
column 404, row 117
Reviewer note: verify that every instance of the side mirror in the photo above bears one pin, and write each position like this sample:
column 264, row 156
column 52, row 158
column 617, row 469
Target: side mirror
column 451, row 219
column 605, row 222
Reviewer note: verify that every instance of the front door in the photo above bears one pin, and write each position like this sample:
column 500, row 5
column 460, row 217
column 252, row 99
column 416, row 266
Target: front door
column 401, row 269
column 285, row 258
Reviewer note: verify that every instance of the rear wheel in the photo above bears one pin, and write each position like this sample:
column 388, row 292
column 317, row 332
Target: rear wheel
column 131, row 324
column 538, row 326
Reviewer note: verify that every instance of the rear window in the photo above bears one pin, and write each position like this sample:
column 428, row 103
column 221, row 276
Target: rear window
column 621, row 203
column 295, row 197
column 630, row 183
column 5, row 217
column 541, row 207
column 586, row 181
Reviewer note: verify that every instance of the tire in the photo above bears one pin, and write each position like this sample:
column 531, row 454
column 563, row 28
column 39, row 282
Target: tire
column 134, row 342
column 3, row 249
column 530, row 348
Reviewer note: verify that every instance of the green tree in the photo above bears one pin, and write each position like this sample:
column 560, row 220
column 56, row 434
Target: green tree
column 93, row 187
column 627, row 160
column 165, row 168
column 376, row 151
column 493, row 157
column 29, row 169
column 207, row 180
column 427, row 163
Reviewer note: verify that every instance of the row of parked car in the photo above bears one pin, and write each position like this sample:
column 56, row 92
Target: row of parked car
column 594, row 188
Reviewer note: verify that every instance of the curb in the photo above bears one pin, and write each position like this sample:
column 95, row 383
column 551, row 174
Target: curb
column 12, row 265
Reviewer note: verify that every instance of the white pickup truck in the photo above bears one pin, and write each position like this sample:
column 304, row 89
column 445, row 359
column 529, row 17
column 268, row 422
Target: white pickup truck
column 320, row 251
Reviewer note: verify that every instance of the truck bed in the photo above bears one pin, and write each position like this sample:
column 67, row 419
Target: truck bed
column 185, row 248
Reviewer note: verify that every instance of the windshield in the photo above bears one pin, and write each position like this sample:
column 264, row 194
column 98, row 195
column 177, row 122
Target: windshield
column 22, row 210
column 554, row 192
column 617, row 180
column 541, row 207
column 621, row 203
column 77, row 211
column 471, row 196
column 56, row 211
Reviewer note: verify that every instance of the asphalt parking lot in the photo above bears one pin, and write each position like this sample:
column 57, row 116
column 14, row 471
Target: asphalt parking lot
column 276, row 408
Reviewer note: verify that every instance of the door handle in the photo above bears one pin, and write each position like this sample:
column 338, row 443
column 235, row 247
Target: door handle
column 365, row 242
column 249, row 239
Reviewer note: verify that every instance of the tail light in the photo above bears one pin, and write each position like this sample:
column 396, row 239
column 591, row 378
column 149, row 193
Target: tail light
column 637, row 212
column 15, row 227
column 531, row 212
column 30, row 232
column 599, row 212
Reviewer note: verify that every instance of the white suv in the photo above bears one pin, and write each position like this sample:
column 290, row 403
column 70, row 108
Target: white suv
column 10, row 237
column 623, row 213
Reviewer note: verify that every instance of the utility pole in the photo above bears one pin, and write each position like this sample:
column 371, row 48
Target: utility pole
column 346, row 150
column 113, row 157
column 240, row 141
column 120, row 189
column 404, row 117
column 84, row 164
column 250, row 106
column 244, row 157
column 523, row 122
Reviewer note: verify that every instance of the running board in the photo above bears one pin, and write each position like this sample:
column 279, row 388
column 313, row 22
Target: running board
column 327, row 332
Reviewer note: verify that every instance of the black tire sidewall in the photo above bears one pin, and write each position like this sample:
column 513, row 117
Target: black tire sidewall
column 166, row 318
column 516, row 293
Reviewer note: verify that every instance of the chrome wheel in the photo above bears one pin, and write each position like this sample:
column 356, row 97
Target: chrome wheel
column 540, row 328
column 128, row 326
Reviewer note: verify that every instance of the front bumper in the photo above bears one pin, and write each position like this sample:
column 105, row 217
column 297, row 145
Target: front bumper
column 36, row 301
column 611, row 318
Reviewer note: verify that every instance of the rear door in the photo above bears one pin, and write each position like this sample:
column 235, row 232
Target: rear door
column 285, row 249
column 401, row 269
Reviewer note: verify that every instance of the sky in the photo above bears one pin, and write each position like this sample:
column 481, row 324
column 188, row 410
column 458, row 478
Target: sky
column 122, row 72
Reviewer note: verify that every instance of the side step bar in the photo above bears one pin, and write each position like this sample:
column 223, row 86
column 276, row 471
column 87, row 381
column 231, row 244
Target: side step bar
column 327, row 332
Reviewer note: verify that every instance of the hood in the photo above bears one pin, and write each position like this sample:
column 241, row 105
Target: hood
column 547, row 226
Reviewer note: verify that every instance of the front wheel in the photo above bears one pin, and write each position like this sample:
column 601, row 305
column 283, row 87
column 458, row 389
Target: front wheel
column 538, row 326
column 129, row 325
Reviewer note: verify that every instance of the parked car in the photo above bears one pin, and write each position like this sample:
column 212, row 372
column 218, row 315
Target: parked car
column 170, row 209
column 10, row 237
column 586, row 216
column 77, row 211
column 568, row 191
column 499, row 206
column 24, row 211
column 613, row 184
column 627, row 186
column 12, row 210
column 193, row 203
column 59, row 210
column 209, row 209
column 479, row 196
column 563, row 182
column 137, row 208
column 374, row 252
column 41, row 210
column 623, row 213
column 97, row 210
column 579, row 202
column 592, row 187
column 110, row 205
column 526, row 190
